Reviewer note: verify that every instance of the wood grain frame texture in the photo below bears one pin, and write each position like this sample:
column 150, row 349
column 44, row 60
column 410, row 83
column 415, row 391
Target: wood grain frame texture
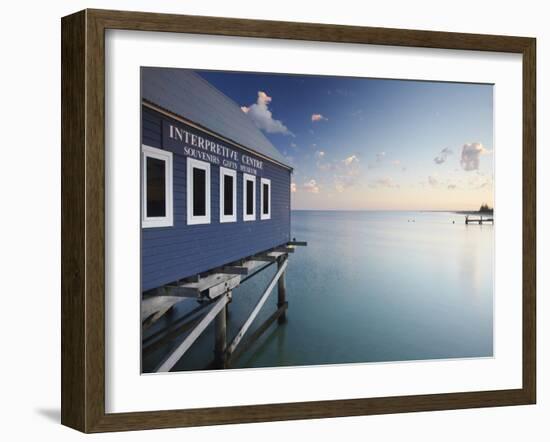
column 83, row 219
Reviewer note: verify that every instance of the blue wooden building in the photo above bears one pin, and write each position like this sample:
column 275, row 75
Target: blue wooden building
column 214, row 189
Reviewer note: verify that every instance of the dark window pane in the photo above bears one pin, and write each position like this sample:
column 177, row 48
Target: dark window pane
column 156, row 187
column 266, row 199
column 227, row 195
column 249, row 197
column 199, row 192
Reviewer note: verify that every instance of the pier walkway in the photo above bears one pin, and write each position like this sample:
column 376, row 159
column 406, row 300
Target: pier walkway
column 479, row 219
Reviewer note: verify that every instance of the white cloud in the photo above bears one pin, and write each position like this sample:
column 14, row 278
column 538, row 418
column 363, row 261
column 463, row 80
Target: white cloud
column 442, row 157
column 451, row 186
column 318, row 117
column 432, row 181
column 350, row 160
column 480, row 181
column 262, row 116
column 349, row 166
column 293, row 187
column 342, row 182
column 325, row 165
column 469, row 159
column 322, row 163
column 380, row 156
column 387, row 182
column 293, row 145
column 311, row 186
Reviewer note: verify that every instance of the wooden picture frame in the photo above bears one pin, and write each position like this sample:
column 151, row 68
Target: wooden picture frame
column 83, row 217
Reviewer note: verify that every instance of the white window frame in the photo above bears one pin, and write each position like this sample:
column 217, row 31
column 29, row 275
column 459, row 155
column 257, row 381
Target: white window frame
column 262, row 214
column 196, row 164
column 224, row 171
column 164, row 155
column 248, row 177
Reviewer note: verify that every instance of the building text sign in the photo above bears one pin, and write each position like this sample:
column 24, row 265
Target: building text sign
column 206, row 148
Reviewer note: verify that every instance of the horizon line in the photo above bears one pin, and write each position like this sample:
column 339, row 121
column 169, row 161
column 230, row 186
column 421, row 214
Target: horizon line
column 385, row 210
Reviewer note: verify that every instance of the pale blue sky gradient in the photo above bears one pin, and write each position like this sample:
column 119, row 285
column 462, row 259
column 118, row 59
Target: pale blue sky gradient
column 359, row 143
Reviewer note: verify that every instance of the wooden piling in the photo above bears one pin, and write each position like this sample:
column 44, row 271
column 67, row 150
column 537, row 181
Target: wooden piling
column 220, row 338
column 213, row 289
column 246, row 345
column 281, row 289
column 171, row 359
column 239, row 336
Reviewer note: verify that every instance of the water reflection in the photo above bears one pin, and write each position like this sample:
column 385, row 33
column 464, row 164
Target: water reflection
column 370, row 287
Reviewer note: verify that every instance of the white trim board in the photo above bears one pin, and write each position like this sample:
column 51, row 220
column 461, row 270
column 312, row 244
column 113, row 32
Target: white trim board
column 168, row 219
column 249, row 217
column 200, row 219
column 263, row 215
column 224, row 171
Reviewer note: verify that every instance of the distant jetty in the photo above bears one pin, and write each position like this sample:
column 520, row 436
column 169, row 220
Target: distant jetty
column 481, row 216
column 472, row 219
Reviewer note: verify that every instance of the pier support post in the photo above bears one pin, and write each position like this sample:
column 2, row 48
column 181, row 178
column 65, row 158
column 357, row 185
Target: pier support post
column 281, row 289
column 220, row 337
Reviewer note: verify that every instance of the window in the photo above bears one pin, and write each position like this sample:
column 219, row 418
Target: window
column 198, row 192
column 157, row 203
column 266, row 198
column 249, row 197
column 228, row 195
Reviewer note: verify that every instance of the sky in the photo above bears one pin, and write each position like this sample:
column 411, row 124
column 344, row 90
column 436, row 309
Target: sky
column 373, row 144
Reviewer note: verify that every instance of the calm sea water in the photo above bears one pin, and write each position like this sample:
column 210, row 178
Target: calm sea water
column 369, row 287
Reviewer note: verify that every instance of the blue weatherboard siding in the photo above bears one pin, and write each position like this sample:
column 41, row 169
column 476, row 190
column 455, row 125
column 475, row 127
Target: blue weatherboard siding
column 171, row 253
